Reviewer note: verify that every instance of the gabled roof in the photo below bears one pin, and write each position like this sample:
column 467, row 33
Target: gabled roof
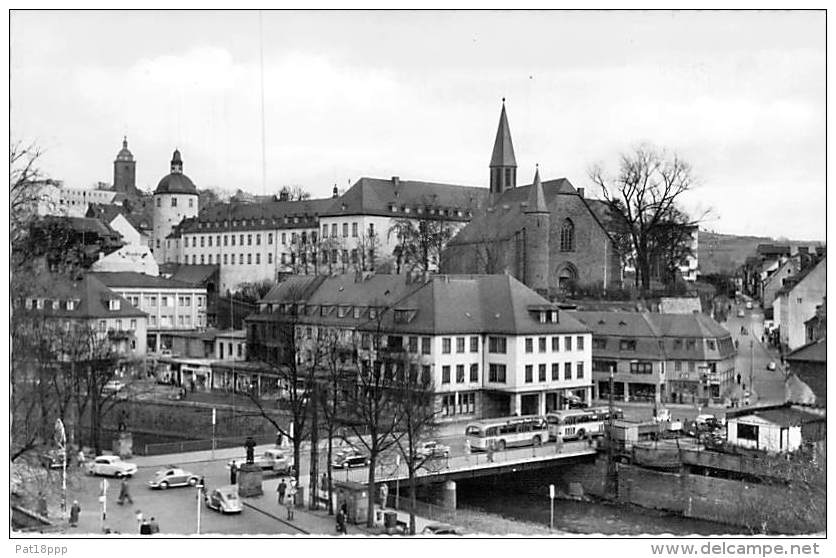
column 815, row 351
column 792, row 281
column 85, row 225
column 503, row 148
column 191, row 274
column 376, row 196
column 92, row 296
column 536, row 198
column 253, row 216
column 134, row 280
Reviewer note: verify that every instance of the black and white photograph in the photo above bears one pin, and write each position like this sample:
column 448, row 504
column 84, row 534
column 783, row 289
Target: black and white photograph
column 541, row 274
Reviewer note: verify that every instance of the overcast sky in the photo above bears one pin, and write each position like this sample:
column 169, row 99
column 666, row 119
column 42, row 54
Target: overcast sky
column 741, row 95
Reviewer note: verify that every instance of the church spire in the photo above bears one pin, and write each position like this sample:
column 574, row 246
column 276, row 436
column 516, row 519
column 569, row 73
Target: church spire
column 536, row 198
column 503, row 163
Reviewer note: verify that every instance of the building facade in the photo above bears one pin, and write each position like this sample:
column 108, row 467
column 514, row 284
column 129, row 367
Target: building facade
column 171, row 306
column 660, row 358
column 491, row 346
column 175, row 199
column 799, row 298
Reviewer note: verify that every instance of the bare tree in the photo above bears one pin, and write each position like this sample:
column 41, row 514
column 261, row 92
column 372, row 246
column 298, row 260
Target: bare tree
column 295, row 192
column 366, row 253
column 26, row 188
column 420, row 242
column 646, row 194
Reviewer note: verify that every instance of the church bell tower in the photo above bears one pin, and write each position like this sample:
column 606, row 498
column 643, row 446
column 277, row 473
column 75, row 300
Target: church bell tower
column 503, row 163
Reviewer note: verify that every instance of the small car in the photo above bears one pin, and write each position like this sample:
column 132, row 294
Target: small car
column 772, row 365
column 708, row 420
column 113, row 386
column 741, row 313
column 441, row 529
column 431, row 449
column 223, row 500
column 349, row 459
column 53, row 459
column 111, row 466
column 173, row 476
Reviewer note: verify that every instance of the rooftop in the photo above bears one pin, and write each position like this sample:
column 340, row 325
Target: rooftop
column 815, row 351
column 134, row 280
column 91, row 298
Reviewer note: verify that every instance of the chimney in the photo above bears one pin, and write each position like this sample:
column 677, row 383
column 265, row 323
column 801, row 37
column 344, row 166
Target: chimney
column 581, row 192
column 396, row 181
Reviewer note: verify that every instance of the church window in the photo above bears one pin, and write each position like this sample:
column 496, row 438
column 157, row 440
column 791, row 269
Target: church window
column 159, row 202
column 507, row 178
column 173, row 202
column 191, row 202
column 567, row 236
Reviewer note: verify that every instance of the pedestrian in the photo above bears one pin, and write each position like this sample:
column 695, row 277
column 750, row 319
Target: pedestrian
column 467, row 446
column 558, row 443
column 233, row 473
column 341, row 521
column 279, row 439
column 42, row 507
column 384, row 494
column 291, row 502
column 81, row 458
column 281, row 490
column 139, row 518
column 75, row 511
column 124, row 493
column 191, row 385
column 489, row 451
column 155, row 528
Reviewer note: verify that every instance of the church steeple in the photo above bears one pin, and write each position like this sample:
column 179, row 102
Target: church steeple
column 176, row 163
column 503, row 163
column 536, row 198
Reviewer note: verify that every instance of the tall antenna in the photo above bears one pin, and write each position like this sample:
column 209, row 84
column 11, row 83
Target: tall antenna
column 263, row 133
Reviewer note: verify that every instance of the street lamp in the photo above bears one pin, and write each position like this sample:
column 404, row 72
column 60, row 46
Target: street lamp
column 61, row 439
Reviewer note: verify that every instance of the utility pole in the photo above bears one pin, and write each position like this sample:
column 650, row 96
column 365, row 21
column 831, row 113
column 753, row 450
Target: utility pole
column 751, row 366
column 611, row 471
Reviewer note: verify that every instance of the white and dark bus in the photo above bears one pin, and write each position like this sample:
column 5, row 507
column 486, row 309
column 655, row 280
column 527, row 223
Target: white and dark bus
column 579, row 424
column 507, row 432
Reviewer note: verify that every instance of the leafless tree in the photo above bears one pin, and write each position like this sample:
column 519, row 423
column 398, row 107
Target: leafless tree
column 646, row 193
column 295, row 192
column 420, row 242
column 26, row 187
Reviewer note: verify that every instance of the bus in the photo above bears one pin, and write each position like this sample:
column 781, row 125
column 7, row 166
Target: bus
column 531, row 430
column 578, row 424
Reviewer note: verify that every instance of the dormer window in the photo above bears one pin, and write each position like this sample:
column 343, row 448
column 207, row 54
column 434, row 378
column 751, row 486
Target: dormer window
column 28, row 303
column 114, row 304
column 71, row 304
column 325, row 310
column 56, row 304
column 372, row 313
column 39, row 303
column 542, row 317
column 407, row 210
column 393, row 208
column 342, row 311
column 404, row 316
column 553, row 316
column 357, row 312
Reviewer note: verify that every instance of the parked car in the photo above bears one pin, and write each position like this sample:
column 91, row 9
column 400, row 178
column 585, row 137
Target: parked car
column 111, row 466
column 772, row 365
column 441, row 529
column 276, row 460
column 223, row 500
column 709, row 420
column 431, row 449
column 53, row 459
column 349, row 459
column 113, row 386
column 171, row 477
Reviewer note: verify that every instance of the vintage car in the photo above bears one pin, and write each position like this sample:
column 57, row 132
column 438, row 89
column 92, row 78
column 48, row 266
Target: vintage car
column 348, row 459
column 111, row 466
column 431, row 449
column 224, row 500
column 171, row 477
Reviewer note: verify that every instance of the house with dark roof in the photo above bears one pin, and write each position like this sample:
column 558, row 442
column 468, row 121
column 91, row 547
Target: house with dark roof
column 135, row 230
column 809, row 364
column 89, row 303
column 546, row 234
column 796, row 302
column 660, row 358
column 172, row 306
column 492, row 346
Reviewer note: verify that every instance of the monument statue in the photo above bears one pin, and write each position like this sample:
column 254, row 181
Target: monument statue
column 250, row 446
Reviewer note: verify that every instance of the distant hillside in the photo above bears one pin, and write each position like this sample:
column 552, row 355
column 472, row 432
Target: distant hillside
column 726, row 252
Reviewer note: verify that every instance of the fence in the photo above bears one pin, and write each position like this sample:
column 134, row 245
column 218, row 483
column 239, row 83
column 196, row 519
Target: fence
column 198, row 445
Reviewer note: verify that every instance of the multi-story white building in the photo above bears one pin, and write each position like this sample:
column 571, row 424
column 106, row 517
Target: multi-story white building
column 490, row 345
column 796, row 302
column 171, row 305
column 56, row 199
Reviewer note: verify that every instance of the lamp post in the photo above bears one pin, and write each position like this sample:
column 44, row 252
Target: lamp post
column 61, row 439
column 751, row 367
column 397, row 482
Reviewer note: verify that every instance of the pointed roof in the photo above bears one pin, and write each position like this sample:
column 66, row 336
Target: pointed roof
column 536, row 198
column 503, row 149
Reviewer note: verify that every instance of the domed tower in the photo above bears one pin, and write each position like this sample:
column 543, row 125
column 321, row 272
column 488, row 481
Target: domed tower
column 175, row 199
column 124, row 170
column 537, row 221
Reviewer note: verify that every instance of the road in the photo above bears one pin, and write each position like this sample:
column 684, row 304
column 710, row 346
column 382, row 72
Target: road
column 175, row 509
column 753, row 356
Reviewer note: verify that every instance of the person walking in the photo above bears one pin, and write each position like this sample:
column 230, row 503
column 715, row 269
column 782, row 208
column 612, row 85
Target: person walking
column 341, row 521
column 233, row 473
column 384, row 494
column 75, row 511
column 155, row 528
column 279, row 439
column 81, row 458
column 124, row 493
column 291, row 502
column 489, row 451
column 281, row 490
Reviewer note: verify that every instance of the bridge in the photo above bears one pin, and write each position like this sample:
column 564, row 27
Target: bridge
column 473, row 465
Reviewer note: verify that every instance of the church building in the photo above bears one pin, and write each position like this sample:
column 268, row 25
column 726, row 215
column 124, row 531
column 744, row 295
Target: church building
column 546, row 234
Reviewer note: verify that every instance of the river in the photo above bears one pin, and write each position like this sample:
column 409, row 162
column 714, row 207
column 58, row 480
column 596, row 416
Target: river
column 583, row 517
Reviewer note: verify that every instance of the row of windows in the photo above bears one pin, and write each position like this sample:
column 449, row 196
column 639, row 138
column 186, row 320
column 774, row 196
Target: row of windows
column 174, row 202
column 245, row 239
column 183, row 301
column 460, row 374
column 466, row 404
column 117, row 326
column 182, row 321
column 447, row 343
column 53, row 303
column 678, row 344
column 555, row 372
column 354, row 230
column 255, row 222
column 542, row 343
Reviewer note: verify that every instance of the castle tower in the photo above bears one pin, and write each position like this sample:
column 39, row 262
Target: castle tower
column 124, row 170
column 503, row 163
column 175, row 199
column 537, row 221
